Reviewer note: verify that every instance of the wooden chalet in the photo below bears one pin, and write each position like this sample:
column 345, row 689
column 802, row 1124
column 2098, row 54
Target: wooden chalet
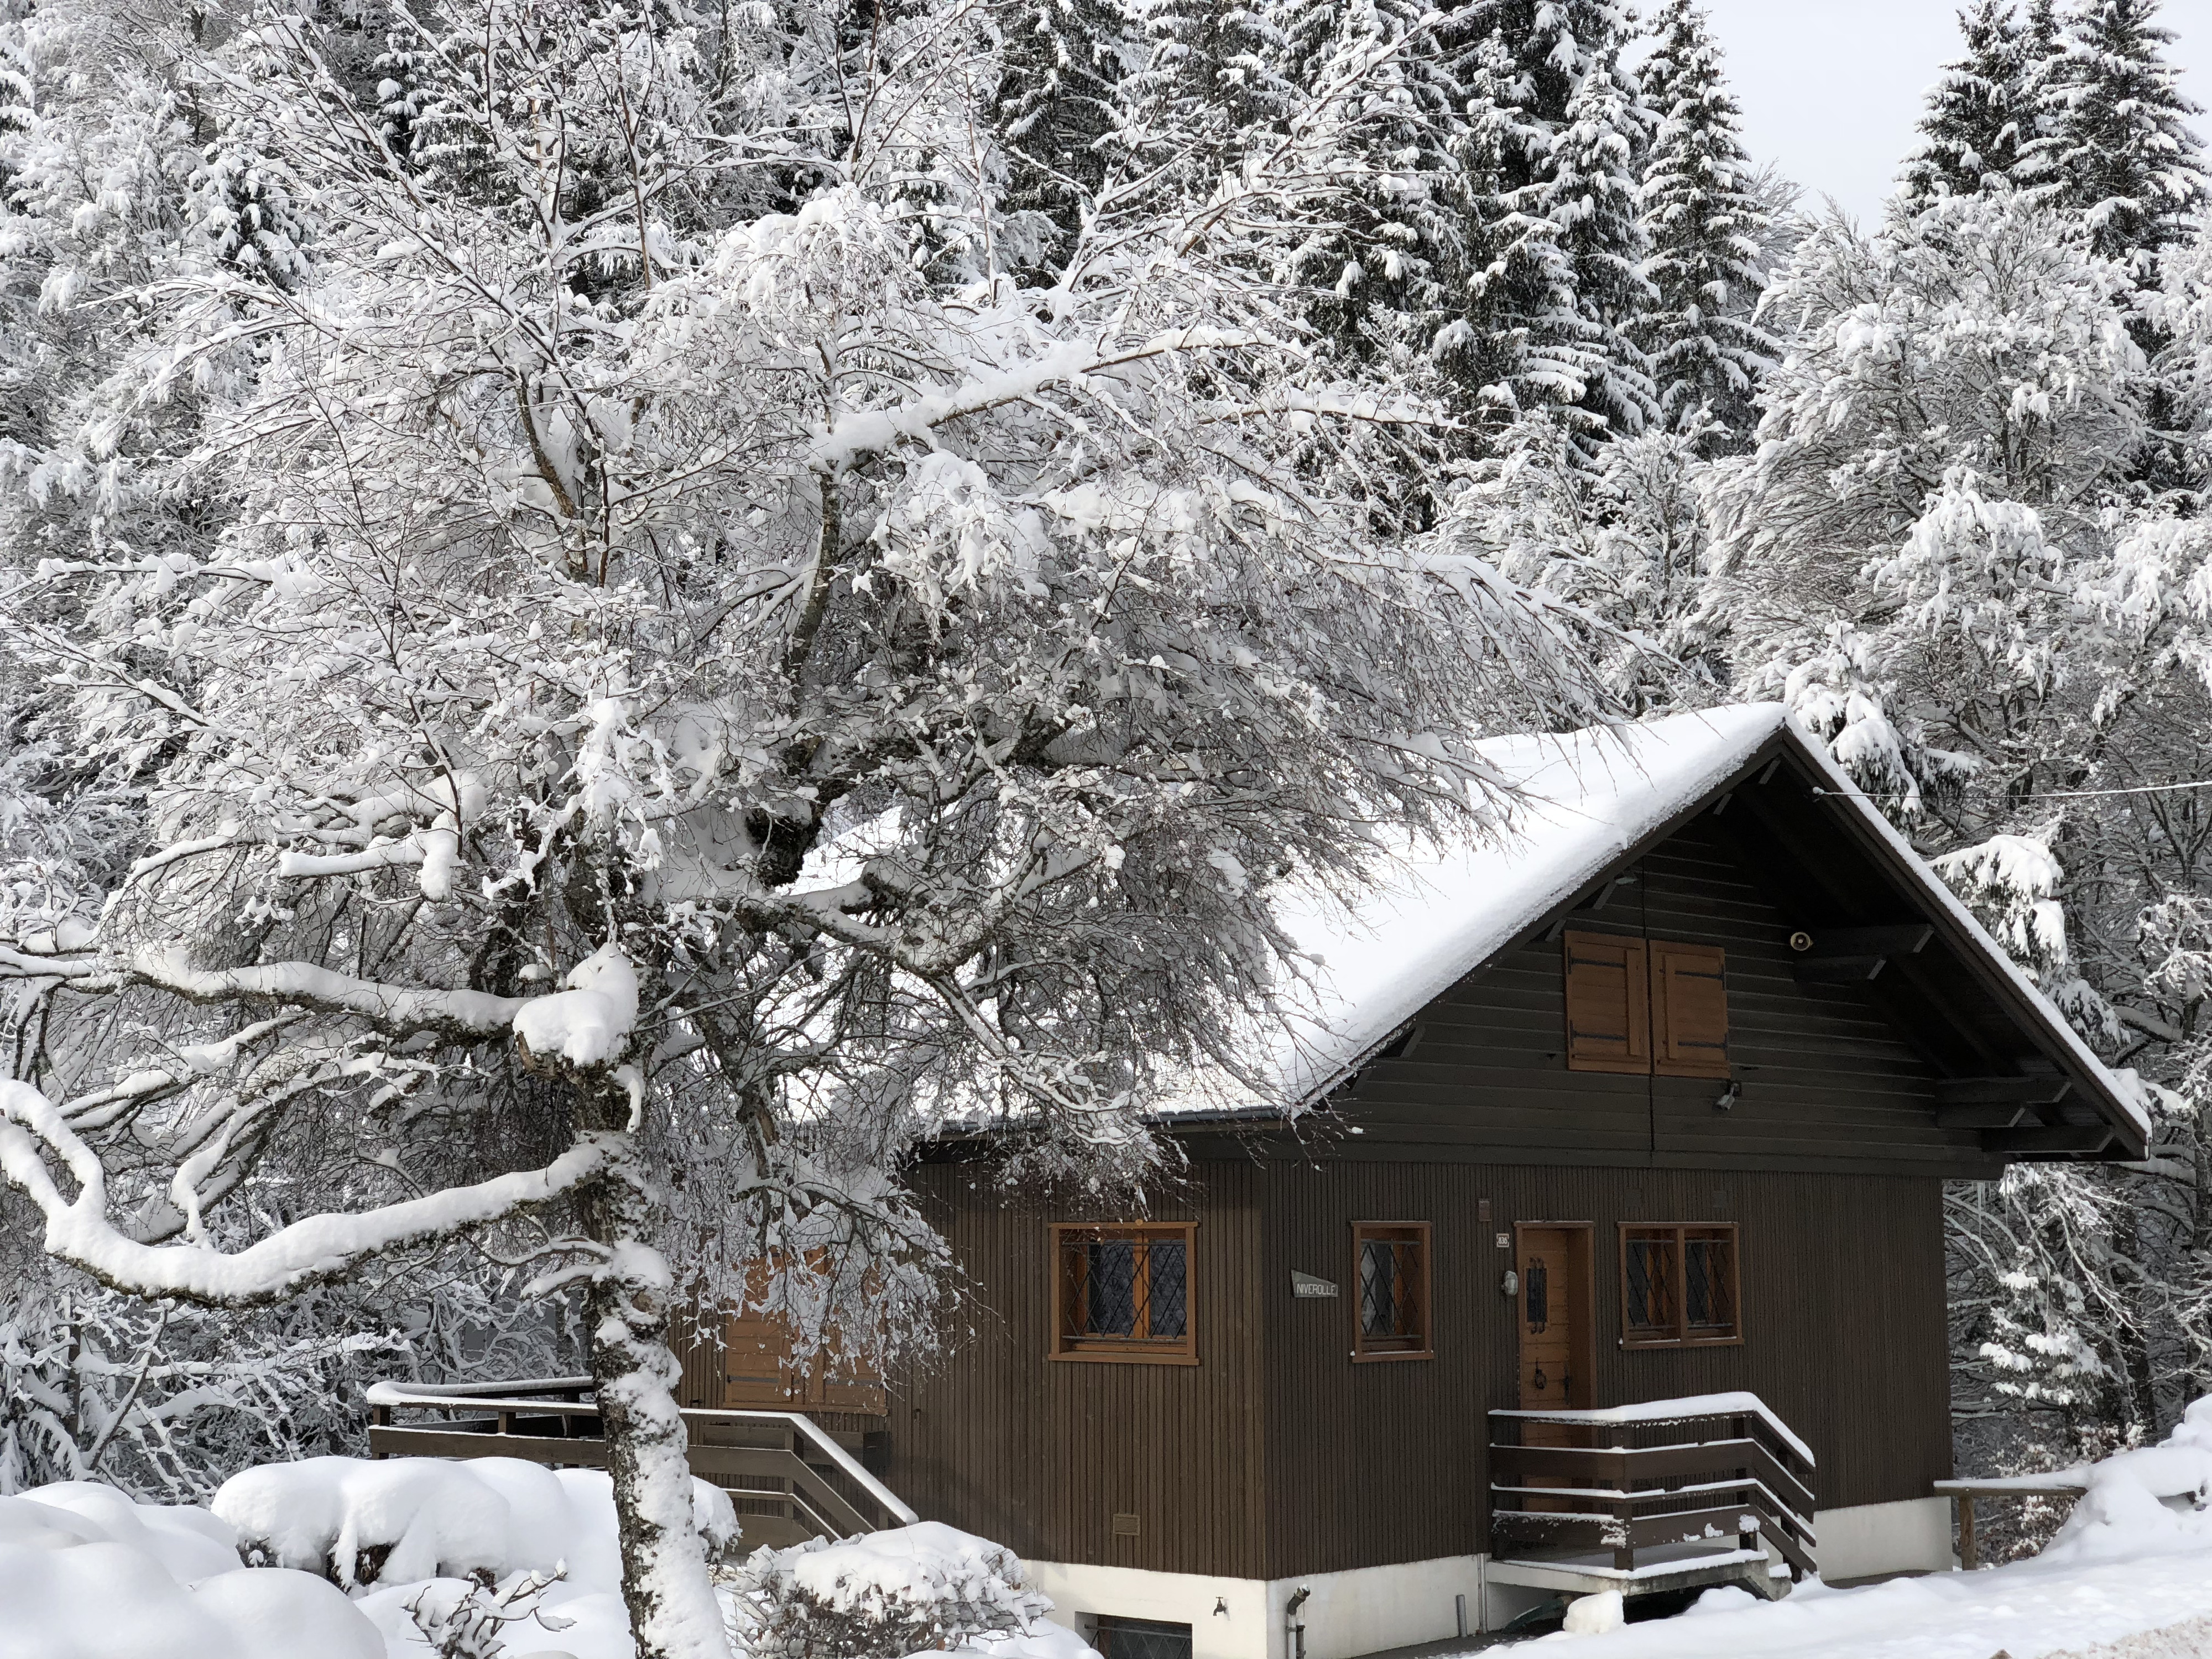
column 1610, row 1255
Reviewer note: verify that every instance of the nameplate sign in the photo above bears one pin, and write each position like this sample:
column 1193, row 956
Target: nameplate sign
column 1305, row 1285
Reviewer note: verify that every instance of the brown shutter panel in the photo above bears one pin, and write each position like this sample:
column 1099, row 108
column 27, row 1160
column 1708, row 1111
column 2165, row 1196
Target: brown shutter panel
column 1689, row 1009
column 1609, row 1004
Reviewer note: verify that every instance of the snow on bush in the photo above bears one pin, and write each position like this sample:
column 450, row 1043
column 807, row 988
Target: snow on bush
column 419, row 1558
column 404, row 1520
column 86, row 1573
column 888, row 1593
column 2149, row 1499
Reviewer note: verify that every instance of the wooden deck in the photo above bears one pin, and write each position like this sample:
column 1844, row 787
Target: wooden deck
column 788, row 1477
column 1661, row 1499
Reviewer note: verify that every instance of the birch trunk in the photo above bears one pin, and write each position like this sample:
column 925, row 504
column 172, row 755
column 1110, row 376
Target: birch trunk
column 672, row 1610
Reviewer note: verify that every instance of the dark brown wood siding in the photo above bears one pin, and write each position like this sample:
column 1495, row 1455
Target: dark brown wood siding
column 1041, row 1454
column 1843, row 1321
column 1828, row 1079
column 1278, row 1456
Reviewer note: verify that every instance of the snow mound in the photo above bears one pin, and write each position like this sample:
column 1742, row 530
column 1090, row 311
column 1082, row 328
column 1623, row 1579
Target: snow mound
column 2151, row 1497
column 1593, row 1615
column 928, row 1560
column 86, row 1574
column 588, row 1024
column 407, row 1520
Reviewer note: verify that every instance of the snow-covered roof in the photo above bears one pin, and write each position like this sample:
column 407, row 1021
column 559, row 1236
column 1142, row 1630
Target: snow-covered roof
column 1591, row 799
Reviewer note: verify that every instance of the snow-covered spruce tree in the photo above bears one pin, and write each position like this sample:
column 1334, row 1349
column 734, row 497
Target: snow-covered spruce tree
column 680, row 701
column 1704, row 223
column 1553, row 269
column 1213, row 74
column 1377, row 282
column 2114, row 143
column 1978, row 114
column 1621, row 539
column 1062, row 63
column 1939, row 557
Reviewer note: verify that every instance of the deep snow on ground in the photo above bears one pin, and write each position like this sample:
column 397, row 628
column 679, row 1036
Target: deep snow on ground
column 2029, row 1610
column 2192, row 1640
column 85, row 1573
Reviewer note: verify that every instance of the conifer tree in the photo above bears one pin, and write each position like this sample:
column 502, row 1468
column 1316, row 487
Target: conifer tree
column 1209, row 72
column 1554, row 271
column 2115, row 144
column 1378, row 281
column 1977, row 117
column 1702, row 221
column 1064, row 62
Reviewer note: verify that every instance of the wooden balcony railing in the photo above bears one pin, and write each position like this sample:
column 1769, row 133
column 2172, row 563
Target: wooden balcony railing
column 787, row 1477
column 1683, row 1481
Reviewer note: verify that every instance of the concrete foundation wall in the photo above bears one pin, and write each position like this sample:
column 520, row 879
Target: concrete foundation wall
column 1912, row 1536
column 1373, row 1608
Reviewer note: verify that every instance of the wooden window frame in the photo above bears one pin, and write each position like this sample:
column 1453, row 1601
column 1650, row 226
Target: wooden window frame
column 1096, row 1349
column 1419, row 1234
column 1682, row 1232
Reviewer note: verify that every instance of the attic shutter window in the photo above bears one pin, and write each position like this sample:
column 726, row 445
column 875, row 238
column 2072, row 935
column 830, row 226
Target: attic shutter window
column 1689, row 1009
column 1609, row 1004
column 1644, row 1007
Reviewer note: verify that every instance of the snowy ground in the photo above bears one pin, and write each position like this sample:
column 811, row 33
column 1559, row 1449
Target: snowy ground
column 2029, row 1610
column 2135, row 1557
column 346, row 1551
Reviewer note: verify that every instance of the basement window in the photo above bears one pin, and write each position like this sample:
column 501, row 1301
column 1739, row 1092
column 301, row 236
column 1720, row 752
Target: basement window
column 1122, row 1292
column 1138, row 1638
column 1680, row 1285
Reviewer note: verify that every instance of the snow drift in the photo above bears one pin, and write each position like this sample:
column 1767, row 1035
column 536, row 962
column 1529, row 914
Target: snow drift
column 404, row 1519
column 86, row 1573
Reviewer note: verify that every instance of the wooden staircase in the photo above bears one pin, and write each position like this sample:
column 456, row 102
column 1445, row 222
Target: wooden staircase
column 1664, row 1496
column 788, row 1477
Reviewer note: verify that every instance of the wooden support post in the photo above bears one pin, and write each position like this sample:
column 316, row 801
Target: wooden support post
column 1967, row 1560
column 1739, row 1429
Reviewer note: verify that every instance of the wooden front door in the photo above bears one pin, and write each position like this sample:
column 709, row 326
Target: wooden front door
column 1555, row 1314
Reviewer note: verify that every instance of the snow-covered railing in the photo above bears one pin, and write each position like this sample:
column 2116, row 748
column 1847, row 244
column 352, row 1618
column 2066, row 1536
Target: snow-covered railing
column 1719, row 1473
column 773, row 1463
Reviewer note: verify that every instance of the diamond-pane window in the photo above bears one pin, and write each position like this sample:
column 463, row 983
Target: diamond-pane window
column 1123, row 1292
column 1390, row 1264
column 1679, row 1286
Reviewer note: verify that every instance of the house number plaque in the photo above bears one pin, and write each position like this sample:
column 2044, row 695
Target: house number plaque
column 1305, row 1285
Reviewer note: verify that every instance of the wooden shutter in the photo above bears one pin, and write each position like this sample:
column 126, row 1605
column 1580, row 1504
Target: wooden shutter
column 759, row 1371
column 1689, row 1009
column 1609, row 1004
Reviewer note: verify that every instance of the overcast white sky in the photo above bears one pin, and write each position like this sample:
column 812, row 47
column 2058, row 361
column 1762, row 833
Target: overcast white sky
column 1830, row 88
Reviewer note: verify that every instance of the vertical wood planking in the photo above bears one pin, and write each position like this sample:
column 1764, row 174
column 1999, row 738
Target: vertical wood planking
column 1843, row 1291
column 1040, row 1454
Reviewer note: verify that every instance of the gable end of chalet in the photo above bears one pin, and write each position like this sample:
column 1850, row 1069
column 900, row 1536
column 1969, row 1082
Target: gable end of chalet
column 1767, row 976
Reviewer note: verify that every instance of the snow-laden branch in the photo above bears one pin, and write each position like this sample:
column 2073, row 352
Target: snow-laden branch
column 303, row 985
column 318, row 1248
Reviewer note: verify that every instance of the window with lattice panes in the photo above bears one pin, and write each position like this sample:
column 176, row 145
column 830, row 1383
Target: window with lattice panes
column 1123, row 1292
column 1390, row 1309
column 1679, row 1284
